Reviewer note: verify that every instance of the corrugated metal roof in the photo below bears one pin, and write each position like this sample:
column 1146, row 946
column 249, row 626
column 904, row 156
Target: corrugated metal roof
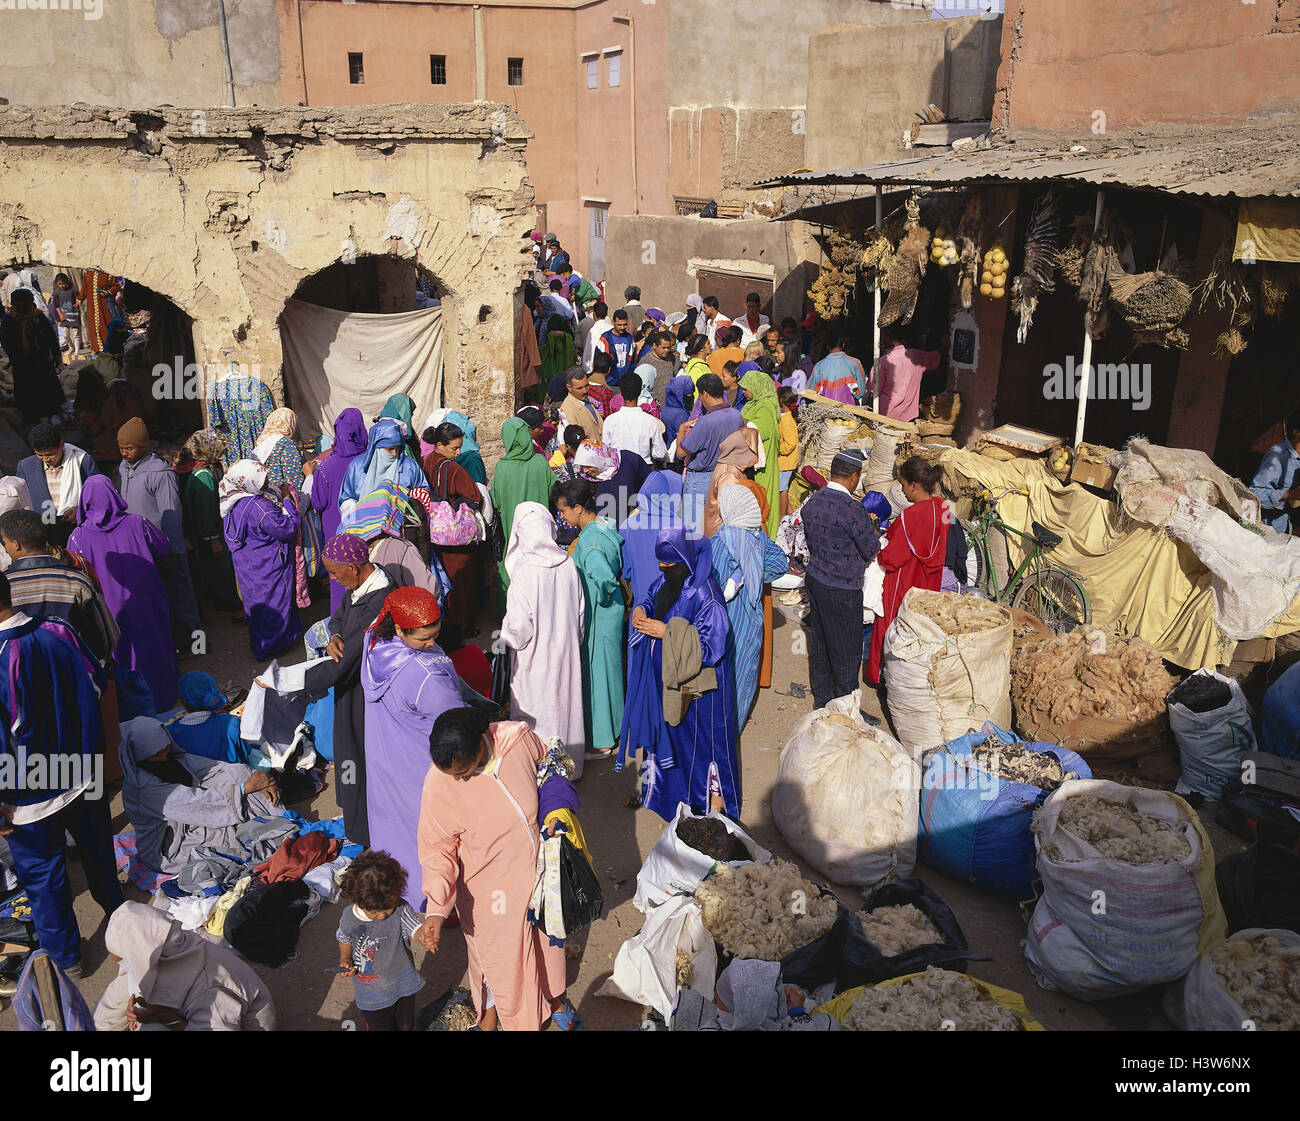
column 1247, row 162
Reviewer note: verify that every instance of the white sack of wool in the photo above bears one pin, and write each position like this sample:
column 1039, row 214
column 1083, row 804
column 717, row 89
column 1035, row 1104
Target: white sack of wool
column 847, row 796
column 947, row 667
column 1251, row 982
column 764, row 911
column 648, row 968
column 673, row 866
column 1107, row 926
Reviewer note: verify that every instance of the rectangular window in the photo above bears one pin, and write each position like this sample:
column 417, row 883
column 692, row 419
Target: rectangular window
column 514, row 71
column 356, row 69
column 598, row 215
column 615, row 70
column 438, row 69
column 593, row 73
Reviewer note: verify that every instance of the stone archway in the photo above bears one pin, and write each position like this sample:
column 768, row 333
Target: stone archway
column 227, row 211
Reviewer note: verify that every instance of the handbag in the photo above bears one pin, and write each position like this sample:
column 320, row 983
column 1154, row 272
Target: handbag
column 451, row 520
column 497, row 536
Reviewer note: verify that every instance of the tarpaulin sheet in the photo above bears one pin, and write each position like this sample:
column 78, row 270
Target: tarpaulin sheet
column 337, row 359
column 1138, row 578
column 1268, row 230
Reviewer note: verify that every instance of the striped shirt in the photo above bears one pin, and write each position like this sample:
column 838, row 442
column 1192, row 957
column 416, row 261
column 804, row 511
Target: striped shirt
column 45, row 586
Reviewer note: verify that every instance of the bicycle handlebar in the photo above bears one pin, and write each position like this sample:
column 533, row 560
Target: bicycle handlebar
column 988, row 496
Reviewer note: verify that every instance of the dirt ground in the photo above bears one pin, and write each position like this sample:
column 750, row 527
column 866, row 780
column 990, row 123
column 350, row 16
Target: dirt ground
column 309, row 999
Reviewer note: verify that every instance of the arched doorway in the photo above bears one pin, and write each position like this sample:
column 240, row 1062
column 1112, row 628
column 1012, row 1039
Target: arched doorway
column 358, row 331
column 129, row 334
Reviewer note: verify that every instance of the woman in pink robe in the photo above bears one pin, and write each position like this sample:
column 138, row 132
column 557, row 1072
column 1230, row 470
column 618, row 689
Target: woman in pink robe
column 478, row 842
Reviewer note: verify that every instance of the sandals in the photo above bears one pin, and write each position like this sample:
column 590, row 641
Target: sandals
column 566, row 1017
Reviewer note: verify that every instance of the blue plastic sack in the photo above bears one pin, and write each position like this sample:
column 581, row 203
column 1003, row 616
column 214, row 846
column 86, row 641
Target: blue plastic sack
column 320, row 715
column 1279, row 730
column 975, row 826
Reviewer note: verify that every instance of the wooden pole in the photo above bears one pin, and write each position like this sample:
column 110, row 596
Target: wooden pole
column 1085, row 373
column 875, row 319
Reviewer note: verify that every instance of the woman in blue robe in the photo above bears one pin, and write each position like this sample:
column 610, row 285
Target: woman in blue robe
column 696, row 760
column 659, row 506
column 387, row 460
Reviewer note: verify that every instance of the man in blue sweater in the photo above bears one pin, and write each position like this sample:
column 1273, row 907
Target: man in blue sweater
column 618, row 343
column 842, row 539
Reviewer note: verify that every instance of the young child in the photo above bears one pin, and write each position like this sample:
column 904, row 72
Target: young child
column 67, row 313
column 374, row 938
column 788, row 430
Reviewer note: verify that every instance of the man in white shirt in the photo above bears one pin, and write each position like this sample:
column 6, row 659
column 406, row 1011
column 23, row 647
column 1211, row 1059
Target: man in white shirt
column 602, row 324
column 751, row 324
column 597, row 312
column 632, row 429
column 714, row 320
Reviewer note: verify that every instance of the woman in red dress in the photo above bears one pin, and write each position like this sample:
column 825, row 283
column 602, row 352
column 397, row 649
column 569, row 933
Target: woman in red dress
column 448, row 481
column 96, row 288
column 914, row 554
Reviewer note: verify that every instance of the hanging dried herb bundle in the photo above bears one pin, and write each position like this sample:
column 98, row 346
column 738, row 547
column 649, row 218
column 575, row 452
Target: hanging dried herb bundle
column 1070, row 260
column 1154, row 304
column 838, row 276
column 905, row 273
column 1042, row 246
column 1275, row 282
column 877, row 257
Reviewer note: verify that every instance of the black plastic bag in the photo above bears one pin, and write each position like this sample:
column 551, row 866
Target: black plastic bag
column 581, row 900
column 433, row 1016
column 861, row 963
column 263, row 924
column 501, row 672
column 1260, row 888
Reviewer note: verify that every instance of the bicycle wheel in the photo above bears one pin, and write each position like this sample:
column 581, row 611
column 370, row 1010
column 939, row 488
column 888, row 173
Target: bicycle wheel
column 1055, row 596
column 977, row 548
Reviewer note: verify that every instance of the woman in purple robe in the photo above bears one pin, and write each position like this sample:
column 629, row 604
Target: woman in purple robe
column 408, row 683
column 124, row 550
column 326, row 479
column 260, row 535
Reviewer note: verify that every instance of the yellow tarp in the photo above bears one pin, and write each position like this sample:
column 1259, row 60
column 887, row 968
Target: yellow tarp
column 1268, row 230
column 838, row 1008
column 1138, row 579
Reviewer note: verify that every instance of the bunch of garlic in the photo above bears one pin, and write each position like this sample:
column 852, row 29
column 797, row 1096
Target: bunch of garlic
column 943, row 250
column 763, row 911
column 936, row 1000
column 1263, row 976
column 1121, row 832
column 895, row 930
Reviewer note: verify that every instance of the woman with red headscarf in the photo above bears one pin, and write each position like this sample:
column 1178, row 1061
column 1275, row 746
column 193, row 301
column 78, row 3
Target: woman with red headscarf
column 408, row 683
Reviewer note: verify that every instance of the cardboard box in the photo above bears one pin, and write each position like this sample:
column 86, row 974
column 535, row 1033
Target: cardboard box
column 1099, row 475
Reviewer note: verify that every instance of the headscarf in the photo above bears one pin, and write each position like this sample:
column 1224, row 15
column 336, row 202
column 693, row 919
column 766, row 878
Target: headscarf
column 658, row 506
column 245, row 479
column 695, row 552
column 812, row 477
column 532, row 540
column 199, row 690
column 207, row 445
column 763, row 409
column 101, row 506
column 164, row 961
column 736, row 450
column 280, row 425
column 657, row 314
column 400, row 407
column 409, row 608
column 346, row 548
column 469, row 457
column 748, row 366
column 674, row 413
column 383, row 511
column 647, row 373
column 518, row 440
column 377, row 469
column 349, row 434
column 588, row 456
column 143, row 737
column 739, row 508
column 696, row 304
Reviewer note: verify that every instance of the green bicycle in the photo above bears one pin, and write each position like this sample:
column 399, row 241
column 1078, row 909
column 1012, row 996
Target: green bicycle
column 1056, row 595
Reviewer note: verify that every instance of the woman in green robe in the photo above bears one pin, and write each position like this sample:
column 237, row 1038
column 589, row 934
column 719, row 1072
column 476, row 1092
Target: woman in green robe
column 763, row 411
column 598, row 554
column 521, row 476
column 213, row 574
column 400, row 407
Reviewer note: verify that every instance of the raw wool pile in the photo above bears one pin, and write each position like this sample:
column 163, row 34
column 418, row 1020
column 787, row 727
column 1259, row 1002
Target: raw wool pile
column 895, row 930
column 958, row 614
column 1120, row 832
column 1263, row 976
column 925, row 1002
column 763, row 911
column 1088, row 672
column 1012, row 762
column 709, row 836
column 685, row 969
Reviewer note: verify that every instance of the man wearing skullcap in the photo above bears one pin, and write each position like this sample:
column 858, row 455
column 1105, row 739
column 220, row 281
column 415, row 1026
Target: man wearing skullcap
column 152, row 490
column 365, row 588
column 841, row 540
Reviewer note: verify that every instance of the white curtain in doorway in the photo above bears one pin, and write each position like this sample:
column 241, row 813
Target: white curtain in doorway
column 335, row 360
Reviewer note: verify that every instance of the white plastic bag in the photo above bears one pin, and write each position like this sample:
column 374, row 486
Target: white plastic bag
column 873, row 590
column 1104, row 928
column 1201, row 1003
column 1212, row 743
column 847, row 796
column 674, row 866
column 941, row 686
column 645, row 969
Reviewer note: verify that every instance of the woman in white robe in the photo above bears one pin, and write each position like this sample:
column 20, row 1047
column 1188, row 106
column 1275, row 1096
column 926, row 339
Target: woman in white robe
column 543, row 627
